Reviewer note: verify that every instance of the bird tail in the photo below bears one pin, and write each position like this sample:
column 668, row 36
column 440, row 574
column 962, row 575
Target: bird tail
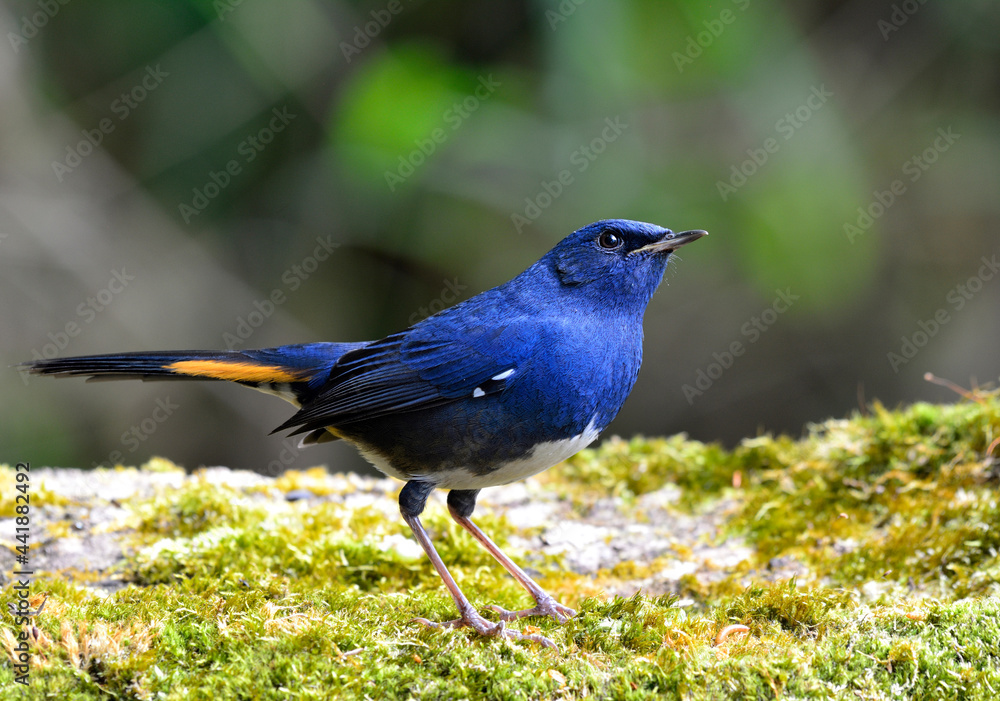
column 284, row 364
column 295, row 372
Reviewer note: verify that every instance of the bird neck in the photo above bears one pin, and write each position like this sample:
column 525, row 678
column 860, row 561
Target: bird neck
column 623, row 298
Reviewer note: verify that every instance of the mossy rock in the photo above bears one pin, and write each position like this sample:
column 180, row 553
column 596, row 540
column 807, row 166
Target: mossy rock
column 860, row 561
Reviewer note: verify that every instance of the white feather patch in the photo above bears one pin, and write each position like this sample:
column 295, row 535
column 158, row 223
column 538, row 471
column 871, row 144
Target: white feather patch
column 542, row 457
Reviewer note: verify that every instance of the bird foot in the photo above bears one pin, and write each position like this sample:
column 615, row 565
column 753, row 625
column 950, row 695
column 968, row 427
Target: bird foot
column 544, row 606
column 472, row 619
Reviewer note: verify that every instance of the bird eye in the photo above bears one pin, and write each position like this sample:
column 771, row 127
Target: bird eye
column 610, row 240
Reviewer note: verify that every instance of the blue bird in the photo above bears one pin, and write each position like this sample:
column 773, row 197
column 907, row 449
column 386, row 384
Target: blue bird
column 492, row 390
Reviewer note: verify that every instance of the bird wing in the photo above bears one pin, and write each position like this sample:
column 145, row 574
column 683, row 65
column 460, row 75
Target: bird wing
column 422, row 367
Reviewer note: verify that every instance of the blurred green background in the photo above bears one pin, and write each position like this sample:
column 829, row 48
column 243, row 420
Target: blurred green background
column 252, row 173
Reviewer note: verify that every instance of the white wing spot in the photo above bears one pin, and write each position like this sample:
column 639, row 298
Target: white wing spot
column 478, row 392
column 503, row 375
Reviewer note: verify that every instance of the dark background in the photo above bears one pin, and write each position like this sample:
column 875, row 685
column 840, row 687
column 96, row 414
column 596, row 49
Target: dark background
column 145, row 241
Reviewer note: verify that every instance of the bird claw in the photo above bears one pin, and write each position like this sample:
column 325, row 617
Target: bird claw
column 545, row 606
column 491, row 630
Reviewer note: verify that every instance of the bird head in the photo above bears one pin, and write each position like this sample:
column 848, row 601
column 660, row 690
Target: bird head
column 617, row 261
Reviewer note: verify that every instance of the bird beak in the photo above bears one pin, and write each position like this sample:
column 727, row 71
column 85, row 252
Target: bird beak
column 672, row 241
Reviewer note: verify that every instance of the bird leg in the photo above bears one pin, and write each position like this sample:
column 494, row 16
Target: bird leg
column 460, row 505
column 412, row 499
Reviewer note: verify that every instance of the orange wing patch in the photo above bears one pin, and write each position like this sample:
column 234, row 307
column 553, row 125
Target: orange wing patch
column 235, row 371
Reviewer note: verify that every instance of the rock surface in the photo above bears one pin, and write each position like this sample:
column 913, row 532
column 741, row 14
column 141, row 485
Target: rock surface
column 86, row 523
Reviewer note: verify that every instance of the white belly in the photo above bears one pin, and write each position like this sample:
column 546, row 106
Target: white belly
column 544, row 456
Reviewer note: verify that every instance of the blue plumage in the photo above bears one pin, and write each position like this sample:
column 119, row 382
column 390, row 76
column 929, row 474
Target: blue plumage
column 491, row 390
column 568, row 330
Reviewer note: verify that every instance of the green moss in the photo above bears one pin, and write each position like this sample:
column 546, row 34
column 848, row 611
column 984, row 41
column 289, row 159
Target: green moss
column 902, row 496
column 16, row 483
column 893, row 517
column 906, row 495
column 798, row 611
column 642, row 465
